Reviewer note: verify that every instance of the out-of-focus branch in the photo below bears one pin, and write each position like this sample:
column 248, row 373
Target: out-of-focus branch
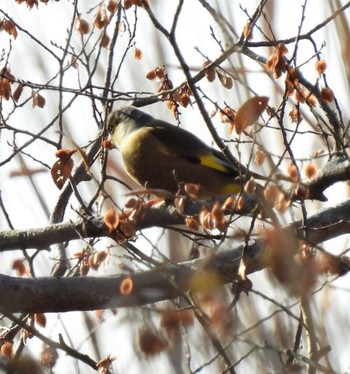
column 58, row 345
column 50, row 294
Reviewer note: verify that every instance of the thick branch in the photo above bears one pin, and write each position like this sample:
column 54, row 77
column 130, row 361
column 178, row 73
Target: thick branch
column 323, row 225
column 167, row 282
column 42, row 238
column 336, row 169
column 48, row 294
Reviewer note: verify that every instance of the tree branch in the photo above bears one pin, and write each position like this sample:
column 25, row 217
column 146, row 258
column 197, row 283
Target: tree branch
column 49, row 294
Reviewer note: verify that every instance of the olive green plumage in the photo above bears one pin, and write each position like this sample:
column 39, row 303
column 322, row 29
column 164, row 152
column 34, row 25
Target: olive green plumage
column 158, row 155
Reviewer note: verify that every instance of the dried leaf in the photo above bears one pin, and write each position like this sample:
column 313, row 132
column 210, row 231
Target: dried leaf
column 31, row 3
column 20, row 268
column 282, row 204
column 151, row 75
column 310, row 170
column 240, row 203
column 40, row 319
column 5, row 88
column 128, row 228
column 327, row 95
column 132, row 203
column 165, row 85
column 218, row 215
column 128, row 4
column 192, row 190
column 272, row 193
column 158, row 73
column 277, row 62
column 82, row 26
column 225, row 80
column 228, row 115
column 63, row 166
column 74, row 61
column 101, row 19
column 184, row 100
column 221, row 319
column 259, row 157
column 250, row 186
column 229, row 203
column 247, row 31
column 112, row 6
column 249, row 112
column 138, row 53
column 242, row 269
column 38, row 100
column 192, row 223
column 321, row 66
column 104, row 364
column 210, row 72
column 206, row 220
column 65, row 153
column 293, row 172
column 111, row 220
column 48, row 357
column 172, row 319
column 84, row 268
column 10, row 28
column 105, row 40
column 7, row 350
column 6, row 73
column 151, row 343
column 97, row 259
column 18, row 92
column 295, row 115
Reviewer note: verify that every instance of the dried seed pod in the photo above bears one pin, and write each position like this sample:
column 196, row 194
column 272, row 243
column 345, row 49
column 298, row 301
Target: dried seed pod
column 321, row 66
column 310, row 170
column 82, row 26
column 327, row 95
column 210, row 72
column 249, row 112
column 111, row 220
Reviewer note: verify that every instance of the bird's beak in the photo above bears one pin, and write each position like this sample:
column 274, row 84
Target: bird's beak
column 108, row 143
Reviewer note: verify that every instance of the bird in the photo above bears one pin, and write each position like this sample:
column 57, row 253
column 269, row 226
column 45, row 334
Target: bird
column 161, row 156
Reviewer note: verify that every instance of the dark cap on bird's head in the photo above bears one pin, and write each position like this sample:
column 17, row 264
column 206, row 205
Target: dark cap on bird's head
column 130, row 114
column 125, row 120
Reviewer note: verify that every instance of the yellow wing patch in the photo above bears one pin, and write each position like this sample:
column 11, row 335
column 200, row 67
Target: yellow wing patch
column 231, row 188
column 212, row 162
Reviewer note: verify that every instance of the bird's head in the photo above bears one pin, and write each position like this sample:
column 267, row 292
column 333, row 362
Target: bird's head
column 124, row 121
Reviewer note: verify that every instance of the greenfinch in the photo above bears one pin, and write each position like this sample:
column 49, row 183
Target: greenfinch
column 160, row 156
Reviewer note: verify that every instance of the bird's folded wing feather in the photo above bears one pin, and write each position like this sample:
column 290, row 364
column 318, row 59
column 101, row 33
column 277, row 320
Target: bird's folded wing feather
column 184, row 144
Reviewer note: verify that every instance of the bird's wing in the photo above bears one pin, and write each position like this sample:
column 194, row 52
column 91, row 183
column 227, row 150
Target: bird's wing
column 183, row 144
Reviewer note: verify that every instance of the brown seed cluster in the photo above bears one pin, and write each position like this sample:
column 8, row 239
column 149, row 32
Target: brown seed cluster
column 6, row 80
column 122, row 226
column 140, row 3
column 181, row 96
column 211, row 72
column 8, row 26
column 31, row 3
